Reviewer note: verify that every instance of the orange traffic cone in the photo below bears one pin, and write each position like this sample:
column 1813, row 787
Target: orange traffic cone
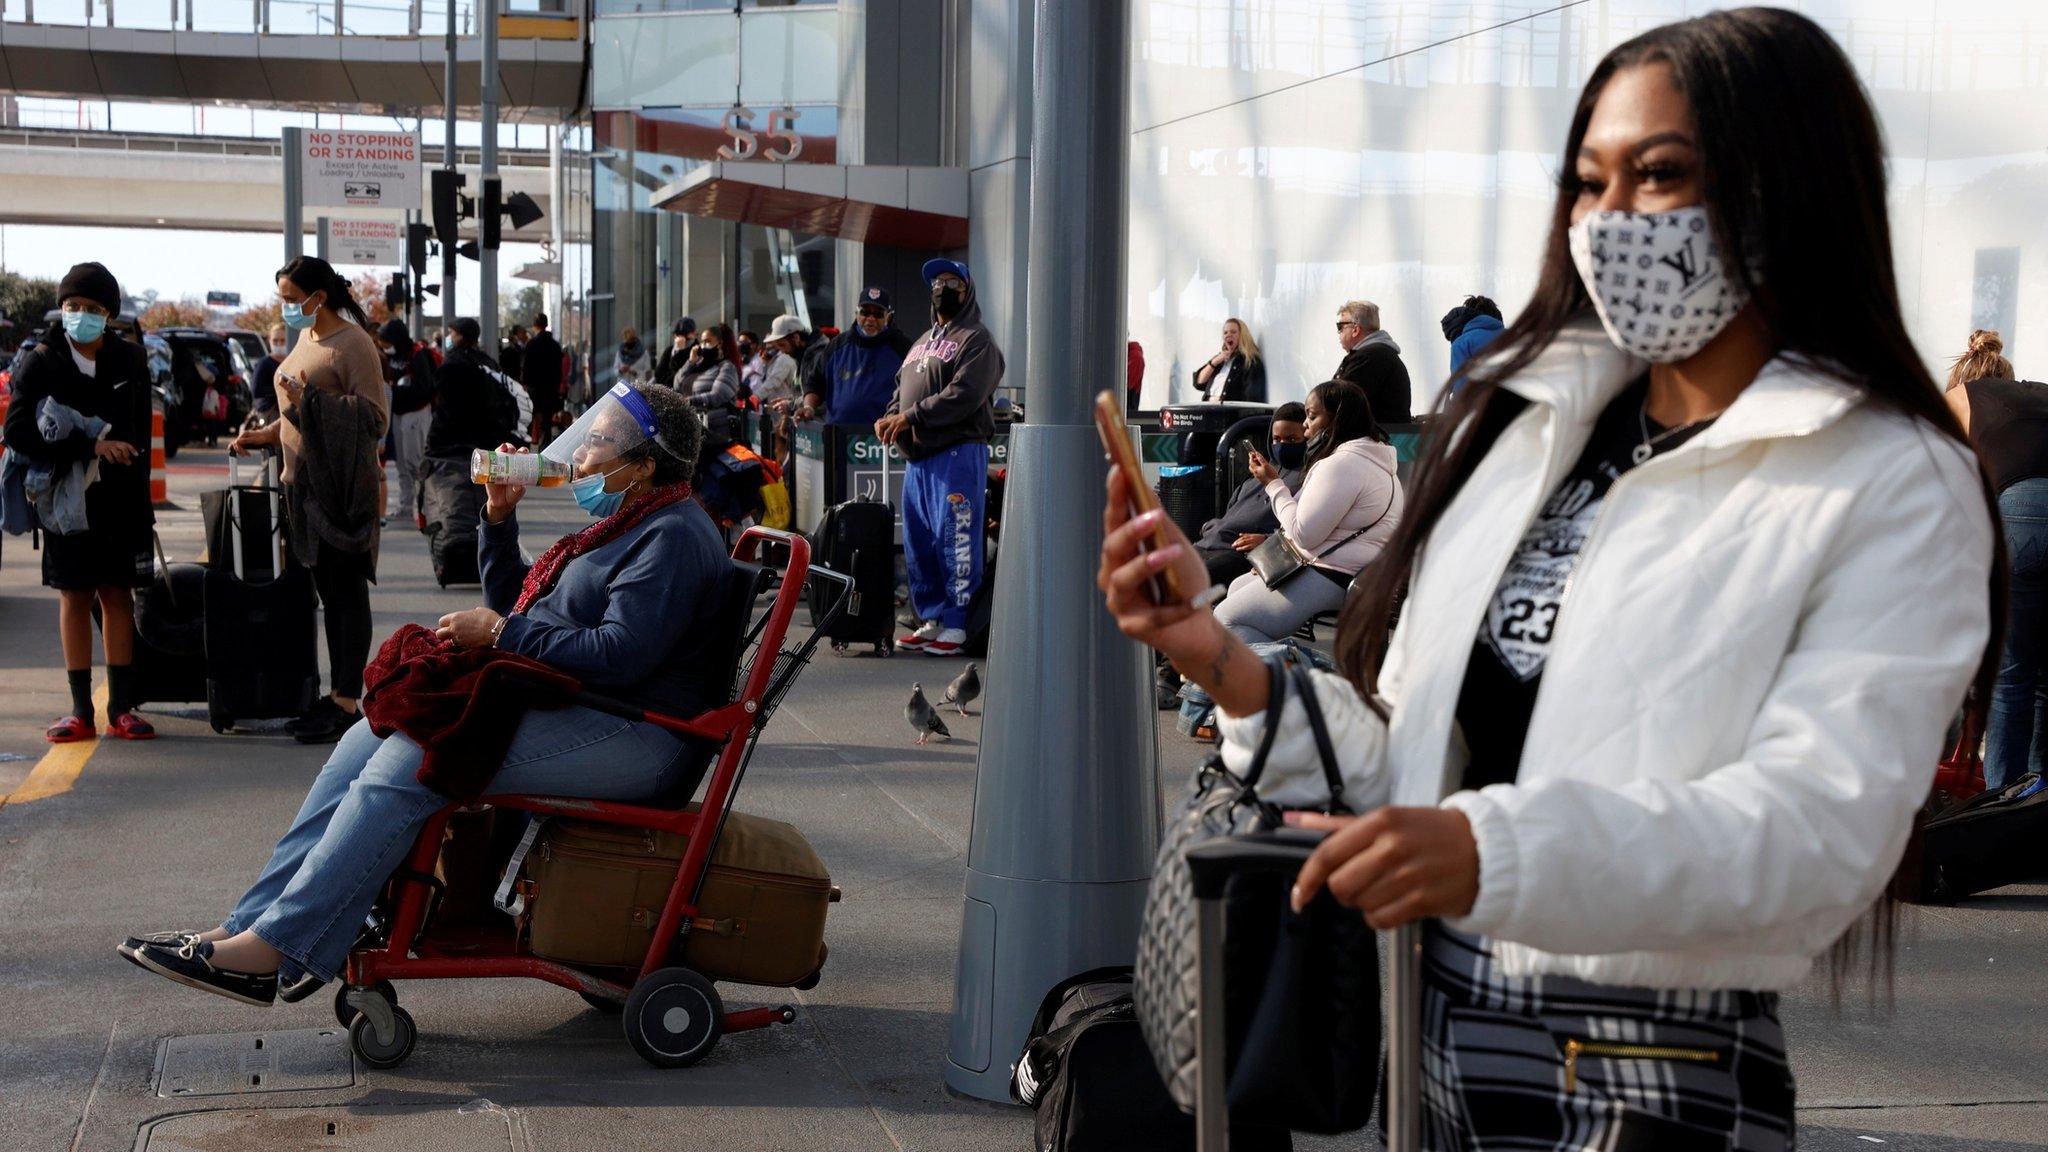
column 159, row 484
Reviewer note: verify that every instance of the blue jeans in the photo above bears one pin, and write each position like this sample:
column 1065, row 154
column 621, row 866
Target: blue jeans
column 2016, row 734
column 367, row 807
column 945, row 501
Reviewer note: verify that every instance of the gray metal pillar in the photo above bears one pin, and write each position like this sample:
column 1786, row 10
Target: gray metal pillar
column 1066, row 800
column 487, row 258
column 323, row 229
column 558, row 209
column 451, row 96
column 294, row 208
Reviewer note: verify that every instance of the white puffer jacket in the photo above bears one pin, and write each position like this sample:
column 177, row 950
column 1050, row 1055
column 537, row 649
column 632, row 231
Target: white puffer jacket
column 1757, row 654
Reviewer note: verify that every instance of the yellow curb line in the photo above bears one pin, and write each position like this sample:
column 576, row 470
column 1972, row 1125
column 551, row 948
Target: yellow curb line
column 60, row 767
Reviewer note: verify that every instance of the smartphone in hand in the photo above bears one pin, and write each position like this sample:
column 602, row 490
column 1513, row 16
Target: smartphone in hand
column 1116, row 441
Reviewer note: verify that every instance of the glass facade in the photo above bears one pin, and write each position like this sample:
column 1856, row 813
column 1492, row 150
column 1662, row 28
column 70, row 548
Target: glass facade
column 671, row 79
column 1288, row 155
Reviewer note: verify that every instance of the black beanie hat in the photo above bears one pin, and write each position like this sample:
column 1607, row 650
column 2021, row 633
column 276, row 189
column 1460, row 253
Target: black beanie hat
column 395, row 334
column 93, row 282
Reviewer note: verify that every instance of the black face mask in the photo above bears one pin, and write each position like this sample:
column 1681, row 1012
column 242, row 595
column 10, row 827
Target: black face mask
column 947, row 301
column 1289, row 455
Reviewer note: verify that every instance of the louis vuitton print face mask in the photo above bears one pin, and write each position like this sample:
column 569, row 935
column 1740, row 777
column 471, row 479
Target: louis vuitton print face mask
column 1656, row 279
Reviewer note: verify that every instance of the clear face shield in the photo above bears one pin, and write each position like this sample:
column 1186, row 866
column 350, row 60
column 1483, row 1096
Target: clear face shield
column 618, row 423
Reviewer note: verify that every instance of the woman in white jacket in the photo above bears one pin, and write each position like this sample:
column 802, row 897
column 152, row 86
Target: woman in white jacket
column 1346, row 511
column 1696, row 575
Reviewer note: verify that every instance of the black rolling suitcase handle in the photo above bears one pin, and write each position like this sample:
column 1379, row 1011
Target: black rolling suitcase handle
column 1211, row 865
column 1210, row 868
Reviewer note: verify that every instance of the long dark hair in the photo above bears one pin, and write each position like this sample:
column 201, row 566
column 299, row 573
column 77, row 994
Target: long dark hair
column 312, row 274
column 728, row 348
column 1350, row 414
column 1792, row 165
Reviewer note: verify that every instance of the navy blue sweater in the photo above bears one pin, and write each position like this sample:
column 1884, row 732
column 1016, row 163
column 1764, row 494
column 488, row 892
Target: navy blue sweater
column 628, row 616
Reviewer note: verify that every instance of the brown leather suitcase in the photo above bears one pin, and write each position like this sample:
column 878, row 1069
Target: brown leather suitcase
column 597, row 890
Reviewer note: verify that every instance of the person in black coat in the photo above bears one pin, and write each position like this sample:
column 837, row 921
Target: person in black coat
column 540, row 371
column 677, row 355
column 1236, row 371
column 83, row 367
column 1373, row 362
column 474, row 407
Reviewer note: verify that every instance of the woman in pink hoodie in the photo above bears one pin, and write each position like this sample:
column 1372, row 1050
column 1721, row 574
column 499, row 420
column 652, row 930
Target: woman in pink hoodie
column 1347, row 509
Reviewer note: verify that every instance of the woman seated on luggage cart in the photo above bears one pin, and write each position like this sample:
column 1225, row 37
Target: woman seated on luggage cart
column 618, row 604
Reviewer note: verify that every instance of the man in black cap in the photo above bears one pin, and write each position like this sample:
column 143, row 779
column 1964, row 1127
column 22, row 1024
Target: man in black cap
column 677, row 354
column 942, row 418
column 410, row 372
column 540, row 372
column 856, row 378
column 101, row 385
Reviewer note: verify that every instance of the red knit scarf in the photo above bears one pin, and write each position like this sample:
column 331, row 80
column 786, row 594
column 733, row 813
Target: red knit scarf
column 541, row 578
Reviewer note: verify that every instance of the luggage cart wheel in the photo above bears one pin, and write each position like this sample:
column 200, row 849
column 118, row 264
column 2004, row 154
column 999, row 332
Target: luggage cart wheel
column 673, row 1018
column 219, row 721
column 379, row 1048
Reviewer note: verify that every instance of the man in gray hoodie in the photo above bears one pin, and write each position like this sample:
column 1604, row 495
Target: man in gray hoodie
column 942, row 419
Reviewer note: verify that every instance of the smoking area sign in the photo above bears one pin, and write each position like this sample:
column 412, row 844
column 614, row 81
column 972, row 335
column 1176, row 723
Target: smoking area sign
column 347, row 169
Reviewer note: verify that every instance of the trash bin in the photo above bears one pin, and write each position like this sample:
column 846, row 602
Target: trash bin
column 1188, row 493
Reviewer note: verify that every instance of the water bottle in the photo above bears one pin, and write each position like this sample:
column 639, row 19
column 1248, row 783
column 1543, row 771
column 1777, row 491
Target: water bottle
column 523, row 468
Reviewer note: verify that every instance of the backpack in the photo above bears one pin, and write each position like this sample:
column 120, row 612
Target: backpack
column 1088, row 1077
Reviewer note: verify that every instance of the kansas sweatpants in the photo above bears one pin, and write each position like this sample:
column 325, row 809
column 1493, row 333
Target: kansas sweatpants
column 945, row 500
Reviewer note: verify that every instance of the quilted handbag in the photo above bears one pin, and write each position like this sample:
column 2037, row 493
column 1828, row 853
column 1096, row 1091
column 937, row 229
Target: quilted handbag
column 1269, row 948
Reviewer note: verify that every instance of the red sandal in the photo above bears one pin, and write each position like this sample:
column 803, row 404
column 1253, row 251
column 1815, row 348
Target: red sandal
column 129, row 726
column 69, row 730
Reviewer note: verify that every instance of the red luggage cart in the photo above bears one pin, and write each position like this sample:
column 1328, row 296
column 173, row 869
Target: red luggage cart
column 673, row 1016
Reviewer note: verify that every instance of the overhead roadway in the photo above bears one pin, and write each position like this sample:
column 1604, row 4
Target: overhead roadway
column 541, row 68
column 216, row 183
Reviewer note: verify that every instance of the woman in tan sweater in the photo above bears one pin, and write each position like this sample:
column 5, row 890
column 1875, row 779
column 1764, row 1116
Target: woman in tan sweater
column 333, row 412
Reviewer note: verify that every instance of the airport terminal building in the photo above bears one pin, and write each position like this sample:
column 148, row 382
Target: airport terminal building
column 755, row 158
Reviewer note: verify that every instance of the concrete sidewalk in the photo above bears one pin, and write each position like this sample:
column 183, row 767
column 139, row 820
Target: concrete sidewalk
column 166, row 834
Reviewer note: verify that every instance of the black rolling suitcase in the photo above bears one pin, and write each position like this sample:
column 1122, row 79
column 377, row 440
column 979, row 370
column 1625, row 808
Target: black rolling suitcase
column 1088, row 1078
column 453, row 505
column 858, row 538
column 170, row 636
column 1988, row 841
column 258, row 625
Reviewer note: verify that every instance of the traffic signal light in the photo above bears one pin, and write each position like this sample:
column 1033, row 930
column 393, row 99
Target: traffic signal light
column 490, row 212
column 416, row 236
column 394, row 292
column 448, row 204
column 467, row 249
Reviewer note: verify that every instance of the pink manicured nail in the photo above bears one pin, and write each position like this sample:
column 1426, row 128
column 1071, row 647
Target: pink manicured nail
column 1151, row 519
column 1164, row 556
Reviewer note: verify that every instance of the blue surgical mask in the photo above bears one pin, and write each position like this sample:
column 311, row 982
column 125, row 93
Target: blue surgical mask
column 297, row 316
column 84, row 327
column 591, row 496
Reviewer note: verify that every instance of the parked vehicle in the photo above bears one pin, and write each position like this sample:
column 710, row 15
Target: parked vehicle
column 197, row 354
column 164, row 385
column 251, row 345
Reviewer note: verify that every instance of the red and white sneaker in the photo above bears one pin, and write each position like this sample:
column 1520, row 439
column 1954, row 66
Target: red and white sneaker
column 917, row 641
column 946, row 643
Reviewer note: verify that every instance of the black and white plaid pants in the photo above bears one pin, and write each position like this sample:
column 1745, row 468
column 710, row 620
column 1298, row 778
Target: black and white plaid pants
column 1550, row 1062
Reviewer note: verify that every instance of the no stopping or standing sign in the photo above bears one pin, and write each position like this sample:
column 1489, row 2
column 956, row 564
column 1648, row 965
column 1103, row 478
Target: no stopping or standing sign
column 349, row 169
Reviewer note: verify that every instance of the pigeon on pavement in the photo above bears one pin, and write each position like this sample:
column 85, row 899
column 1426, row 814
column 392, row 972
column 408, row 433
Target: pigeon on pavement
column 964, row 689
column 924, row 717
